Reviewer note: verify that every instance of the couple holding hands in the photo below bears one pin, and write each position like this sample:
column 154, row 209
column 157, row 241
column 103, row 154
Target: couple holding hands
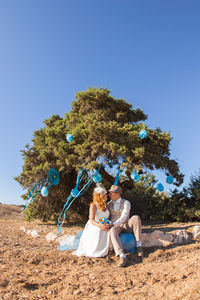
column 97, row 238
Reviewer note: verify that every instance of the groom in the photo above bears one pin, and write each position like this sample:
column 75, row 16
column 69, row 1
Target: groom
column 119, row 215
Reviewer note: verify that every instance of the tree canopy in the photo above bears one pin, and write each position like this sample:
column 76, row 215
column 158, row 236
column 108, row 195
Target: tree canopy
column 102, row 126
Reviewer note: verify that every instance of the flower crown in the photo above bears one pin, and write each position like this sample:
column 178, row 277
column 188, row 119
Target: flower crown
column 100, row 190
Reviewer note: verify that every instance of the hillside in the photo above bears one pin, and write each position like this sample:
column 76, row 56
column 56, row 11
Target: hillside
column 11, row 212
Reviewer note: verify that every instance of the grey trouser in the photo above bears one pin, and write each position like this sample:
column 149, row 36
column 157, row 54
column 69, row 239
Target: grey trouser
column 133, row 226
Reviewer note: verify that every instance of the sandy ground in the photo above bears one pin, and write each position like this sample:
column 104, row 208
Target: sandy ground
column 33, row 268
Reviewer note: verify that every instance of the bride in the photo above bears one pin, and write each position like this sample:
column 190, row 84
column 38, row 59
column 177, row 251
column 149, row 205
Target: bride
column 94, row 241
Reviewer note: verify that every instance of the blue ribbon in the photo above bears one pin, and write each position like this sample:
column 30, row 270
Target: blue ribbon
column 119, row 172
column 31, row 199
column 75, row 193
column 53, row 178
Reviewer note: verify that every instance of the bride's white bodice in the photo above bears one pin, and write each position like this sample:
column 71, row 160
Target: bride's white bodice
column 101, row 214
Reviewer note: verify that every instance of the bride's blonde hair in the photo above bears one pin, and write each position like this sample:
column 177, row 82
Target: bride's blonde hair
column 99, row 198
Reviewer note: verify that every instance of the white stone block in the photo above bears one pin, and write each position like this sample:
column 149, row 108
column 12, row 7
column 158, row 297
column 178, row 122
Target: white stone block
column 181, row 236
column 196, row 232
column 22, row 228
column 34, row 233
column 156, row 238
column 51, row 236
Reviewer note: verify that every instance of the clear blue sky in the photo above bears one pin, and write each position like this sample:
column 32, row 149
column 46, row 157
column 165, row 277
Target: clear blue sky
column 145, row 51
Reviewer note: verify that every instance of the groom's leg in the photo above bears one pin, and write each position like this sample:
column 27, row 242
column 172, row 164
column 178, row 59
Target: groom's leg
column 135, row 226
column 114, row 236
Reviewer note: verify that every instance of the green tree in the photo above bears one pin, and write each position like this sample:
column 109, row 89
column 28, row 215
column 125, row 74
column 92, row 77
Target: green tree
column 141, row 196
column 179, row 206
column 102, row 126
column 192, row 198
column 194, row 189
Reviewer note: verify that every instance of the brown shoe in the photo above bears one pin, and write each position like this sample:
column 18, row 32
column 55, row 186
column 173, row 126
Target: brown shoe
column 122, row 262
column 140, row 252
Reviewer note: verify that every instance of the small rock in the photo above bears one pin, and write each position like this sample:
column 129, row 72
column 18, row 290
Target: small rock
column 181, row 237
column 51, row 236
column 76, row 292
column 196, row 232
column 16, row 244
column 22, row 228
column 91, row 276
column 34, row 233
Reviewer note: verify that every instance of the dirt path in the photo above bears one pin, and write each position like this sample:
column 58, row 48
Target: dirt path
column 32, row 268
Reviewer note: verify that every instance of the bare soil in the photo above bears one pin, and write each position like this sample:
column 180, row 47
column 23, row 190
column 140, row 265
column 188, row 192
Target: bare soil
column 33, row 268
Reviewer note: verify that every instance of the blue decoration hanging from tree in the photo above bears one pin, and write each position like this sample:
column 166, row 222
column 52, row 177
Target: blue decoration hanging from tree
column 97, row 178
column 119, row 172
column 169, row 179
column 75, row 193
column 54, row 176
column 40, row 186
column 135, row 176
column 143, row 134
column 44, row 191
column 160, row 187
column 69, row 137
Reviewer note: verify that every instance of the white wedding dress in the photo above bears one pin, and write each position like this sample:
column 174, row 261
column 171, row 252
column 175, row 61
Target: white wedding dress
column 94, row 242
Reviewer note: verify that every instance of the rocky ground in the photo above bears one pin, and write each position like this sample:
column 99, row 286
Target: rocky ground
column 33, row 268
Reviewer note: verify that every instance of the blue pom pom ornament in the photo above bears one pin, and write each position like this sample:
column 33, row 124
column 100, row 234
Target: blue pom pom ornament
column 69, row 137
column 44, row 191
column 143, row 134
column 160, row 187
column 135, row 176
column 169, row 179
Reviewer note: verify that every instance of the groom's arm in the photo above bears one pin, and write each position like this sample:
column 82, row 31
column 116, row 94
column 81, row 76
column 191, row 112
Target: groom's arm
column 124, row 215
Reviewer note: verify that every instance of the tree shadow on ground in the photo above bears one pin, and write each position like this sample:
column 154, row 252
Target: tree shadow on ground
column 150, row 250
column 133, row 259
column 31, row 286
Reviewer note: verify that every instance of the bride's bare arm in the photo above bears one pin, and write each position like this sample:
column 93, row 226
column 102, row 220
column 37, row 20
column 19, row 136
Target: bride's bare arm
column 92, row 213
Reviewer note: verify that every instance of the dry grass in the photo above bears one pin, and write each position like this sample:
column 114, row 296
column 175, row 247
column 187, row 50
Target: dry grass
column 11, row 212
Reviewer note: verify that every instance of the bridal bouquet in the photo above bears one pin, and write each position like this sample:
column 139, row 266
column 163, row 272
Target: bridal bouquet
column 104, row 221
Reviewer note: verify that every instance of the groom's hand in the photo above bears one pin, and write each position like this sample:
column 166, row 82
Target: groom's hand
column 111, row 225
column 104, row 227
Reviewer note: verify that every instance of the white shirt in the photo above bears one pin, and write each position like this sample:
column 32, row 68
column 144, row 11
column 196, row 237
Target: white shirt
column 125, row 212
